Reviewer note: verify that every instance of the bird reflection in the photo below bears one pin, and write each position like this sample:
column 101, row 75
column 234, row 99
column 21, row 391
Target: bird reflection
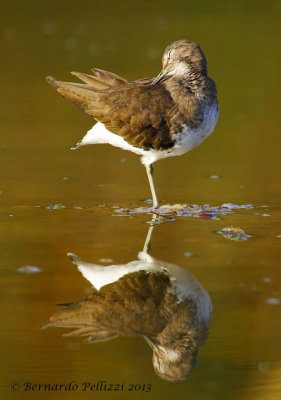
column 159, row 301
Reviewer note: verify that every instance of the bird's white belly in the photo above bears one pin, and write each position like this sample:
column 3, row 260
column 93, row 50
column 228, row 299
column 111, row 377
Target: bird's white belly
column 185, row 141
column 188, row 139
column 182, row 284
column 100, row 135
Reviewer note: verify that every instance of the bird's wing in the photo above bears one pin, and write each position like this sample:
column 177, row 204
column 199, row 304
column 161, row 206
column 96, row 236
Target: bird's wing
column 129, row 306
column 101, row 79
column 89, row 317
column 109, row 77
column 139, row 112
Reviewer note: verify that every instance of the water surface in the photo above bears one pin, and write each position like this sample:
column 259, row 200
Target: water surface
column 55, row 201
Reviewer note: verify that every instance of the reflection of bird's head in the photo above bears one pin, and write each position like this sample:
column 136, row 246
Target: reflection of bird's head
column 174, row 363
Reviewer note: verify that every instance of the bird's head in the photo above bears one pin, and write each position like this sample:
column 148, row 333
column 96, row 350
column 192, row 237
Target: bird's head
column 173, row 363
column 180, row 59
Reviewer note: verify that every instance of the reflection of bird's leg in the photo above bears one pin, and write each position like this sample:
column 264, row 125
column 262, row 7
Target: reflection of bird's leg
column 149, row 170
column 147, row 247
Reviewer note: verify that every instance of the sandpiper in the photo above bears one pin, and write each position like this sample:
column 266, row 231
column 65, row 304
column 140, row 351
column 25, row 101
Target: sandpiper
column 153, row 117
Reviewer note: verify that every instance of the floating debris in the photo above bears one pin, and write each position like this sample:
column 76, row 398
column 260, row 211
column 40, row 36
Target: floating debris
column 214, row 176
column 234, row 233
column 204, row 215
column 235, row 206
column 158, row 219
column 178, row 210
column 29, row 269
column 187, row 254
column 58, row 206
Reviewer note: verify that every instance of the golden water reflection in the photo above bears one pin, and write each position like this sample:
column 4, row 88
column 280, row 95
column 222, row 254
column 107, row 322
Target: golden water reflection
column 157, row 300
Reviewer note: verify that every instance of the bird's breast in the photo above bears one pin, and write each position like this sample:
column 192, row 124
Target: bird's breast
column 187, row 138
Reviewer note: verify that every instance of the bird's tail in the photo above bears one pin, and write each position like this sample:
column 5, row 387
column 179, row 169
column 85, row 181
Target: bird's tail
column 79, row 94
column 83, row 94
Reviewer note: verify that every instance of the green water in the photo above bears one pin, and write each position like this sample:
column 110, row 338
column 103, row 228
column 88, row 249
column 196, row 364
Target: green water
column 241, row 40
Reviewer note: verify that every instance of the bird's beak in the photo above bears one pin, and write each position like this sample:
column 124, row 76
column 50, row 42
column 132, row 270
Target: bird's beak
column 164, row 74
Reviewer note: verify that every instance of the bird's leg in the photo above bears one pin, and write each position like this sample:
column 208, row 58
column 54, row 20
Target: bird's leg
column 149, row 170
column 147, row 246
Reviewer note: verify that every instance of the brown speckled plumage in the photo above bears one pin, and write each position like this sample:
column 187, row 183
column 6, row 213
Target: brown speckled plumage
column 145, row 114
column 141, row 303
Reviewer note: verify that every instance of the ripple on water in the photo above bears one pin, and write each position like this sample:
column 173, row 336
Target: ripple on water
column 29, row 269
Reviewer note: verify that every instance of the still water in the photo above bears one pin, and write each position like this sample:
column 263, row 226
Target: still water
column 54, row 202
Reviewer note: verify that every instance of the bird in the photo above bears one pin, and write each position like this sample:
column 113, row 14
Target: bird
column 155, row 118
column 159, row 301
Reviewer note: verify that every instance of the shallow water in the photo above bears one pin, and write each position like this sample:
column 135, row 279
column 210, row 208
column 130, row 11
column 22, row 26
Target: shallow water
column 55, row 201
